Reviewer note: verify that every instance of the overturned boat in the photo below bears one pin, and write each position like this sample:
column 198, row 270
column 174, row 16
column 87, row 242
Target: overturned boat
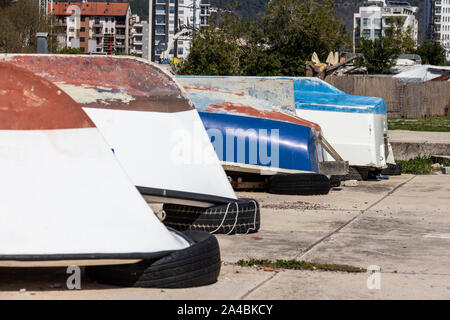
column 147, row 119
column 253, row 126
column 64, row 197
column 356, row 126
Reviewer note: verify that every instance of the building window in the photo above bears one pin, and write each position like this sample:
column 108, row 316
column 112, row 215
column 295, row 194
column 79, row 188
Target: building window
column 180, row 51
column 366, row 33
column 377, row 23
column 377, row 33
column 82, row 29
column 366, row 22
column 82, row 39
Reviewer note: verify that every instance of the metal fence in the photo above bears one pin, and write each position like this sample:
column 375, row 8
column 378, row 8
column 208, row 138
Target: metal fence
column 404, row 100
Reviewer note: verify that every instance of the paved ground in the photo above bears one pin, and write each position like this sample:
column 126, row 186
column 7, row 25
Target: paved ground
column 401, row 225
column 419, row 136
column 411, row 144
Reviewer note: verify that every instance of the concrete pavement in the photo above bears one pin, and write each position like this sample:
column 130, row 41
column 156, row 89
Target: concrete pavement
column 411, row 144
column 401, row 225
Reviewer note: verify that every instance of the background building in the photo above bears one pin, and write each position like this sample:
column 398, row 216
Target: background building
column 437, row 23
column 167, row 19
column 375, row 17
column 104, row 27
column 137, row 29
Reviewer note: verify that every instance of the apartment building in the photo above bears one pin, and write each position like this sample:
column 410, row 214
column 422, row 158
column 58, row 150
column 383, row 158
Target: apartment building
column 375, row 17
column 437, row 23
column 171, row 26
column 137, row 30
column 94, row 27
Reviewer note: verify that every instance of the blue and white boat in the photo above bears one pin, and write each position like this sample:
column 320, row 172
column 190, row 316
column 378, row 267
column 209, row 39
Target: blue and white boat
column 356, row 126
column 253, row 126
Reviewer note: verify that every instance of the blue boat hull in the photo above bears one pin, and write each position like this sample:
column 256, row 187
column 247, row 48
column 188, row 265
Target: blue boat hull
column 262, row 142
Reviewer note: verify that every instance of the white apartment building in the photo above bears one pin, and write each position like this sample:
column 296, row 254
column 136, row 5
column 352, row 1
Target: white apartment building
column 437, row 23
column 171, row 25
column 375, row 17
column 137, row 27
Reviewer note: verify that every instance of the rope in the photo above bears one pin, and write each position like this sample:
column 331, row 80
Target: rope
column 254, row 218
column 225, row 216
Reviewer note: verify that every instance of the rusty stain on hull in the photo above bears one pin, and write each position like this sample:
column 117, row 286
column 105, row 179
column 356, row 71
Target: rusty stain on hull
column 239, row 94
column 245, row 96
column 240, row 109
column 29, row 102
column 109, row 82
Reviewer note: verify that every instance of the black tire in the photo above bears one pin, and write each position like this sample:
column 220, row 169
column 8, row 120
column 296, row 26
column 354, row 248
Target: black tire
column 195, row 266
column 353, row 174
column 335, row 181
column 392, row 170
column 240, row 217
column 300, row 184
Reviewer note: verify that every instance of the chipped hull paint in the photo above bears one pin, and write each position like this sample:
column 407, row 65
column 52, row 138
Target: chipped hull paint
column 233, row 103
column 252, row 97
column 64, row 196
column 108, row 82
column 140, row 109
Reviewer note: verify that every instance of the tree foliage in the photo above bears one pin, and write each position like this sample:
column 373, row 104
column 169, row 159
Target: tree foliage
column 67, row 50
column 380, row 55
column 215, row 50
column 279, row 44
column 19, row 23
column 432, row 53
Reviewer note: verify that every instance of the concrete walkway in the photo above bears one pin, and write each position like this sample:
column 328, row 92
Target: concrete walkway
column 411, row 144
column 401, row 225
column 419, row 136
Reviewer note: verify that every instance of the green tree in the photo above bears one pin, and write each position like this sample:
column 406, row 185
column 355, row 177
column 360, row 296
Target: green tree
column 67, row 50
column 215, row 50
column 380, row 55
column 19, row 23
column 297, row 28
column 432, row 53
column 280, row 44
column 396, row 36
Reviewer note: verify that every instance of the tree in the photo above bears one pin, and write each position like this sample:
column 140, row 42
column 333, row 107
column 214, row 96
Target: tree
column 280, row 44
column 215, row 50
column 295, row 29
column 432, row 53
column 396, row 36
column 67, row 50
column 380, row 55
column 19, row 23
